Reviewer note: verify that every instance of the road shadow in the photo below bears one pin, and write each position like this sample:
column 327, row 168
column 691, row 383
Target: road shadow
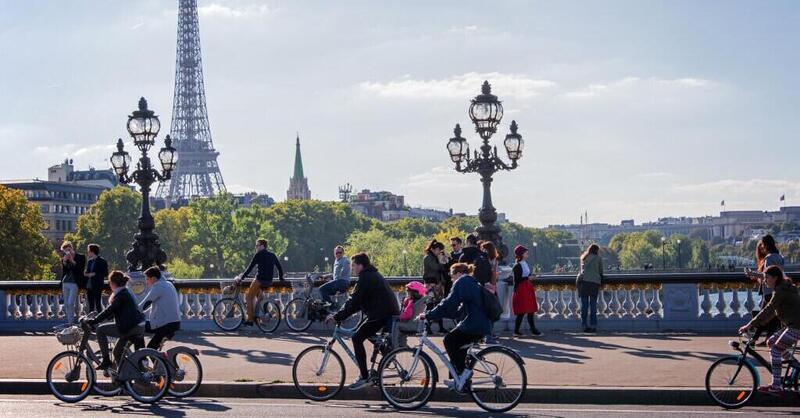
column 252, row 356
column 426, row 411
column 166, row 408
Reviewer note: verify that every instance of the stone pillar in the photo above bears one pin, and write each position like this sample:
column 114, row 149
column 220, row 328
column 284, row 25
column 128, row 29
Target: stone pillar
column 680, row 302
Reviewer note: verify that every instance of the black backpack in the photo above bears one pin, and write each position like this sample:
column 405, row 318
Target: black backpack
column 491, row 305
column 483, row 268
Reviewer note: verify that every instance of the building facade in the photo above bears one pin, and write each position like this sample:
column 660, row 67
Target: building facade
column 298, row 184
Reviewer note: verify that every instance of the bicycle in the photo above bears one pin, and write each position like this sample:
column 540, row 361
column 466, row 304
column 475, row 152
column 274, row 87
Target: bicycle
column 70, row 375
column 302, row 311
column 228, row 312
column 732, row 380
column 184, row 363
column 317, row 380
column 407, row 376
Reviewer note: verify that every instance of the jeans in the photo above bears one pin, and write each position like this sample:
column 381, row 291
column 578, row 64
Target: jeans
column 93, row 297
column 588, row 293
column 109, row 329
column 328, row 290
column 454, row 342
column 70, row 291
column 367, row 329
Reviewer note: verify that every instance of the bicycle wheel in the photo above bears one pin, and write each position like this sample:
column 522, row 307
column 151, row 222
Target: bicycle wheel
column 498, row 379
column 152, row 378
column 228, row 314
column 296, row 313
column 318, row 373
column 731, row 382
column 268, row 317
column 187, row 375
column 403, row 387
column 351, row 323
column 70, row 376
column 105, row 385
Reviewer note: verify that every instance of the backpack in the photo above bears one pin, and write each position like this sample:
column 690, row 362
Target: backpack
column 483, row 268
column 491, row 305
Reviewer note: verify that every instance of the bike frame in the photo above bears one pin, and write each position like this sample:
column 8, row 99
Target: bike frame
column 339, row 336
column 239, row 297
column 424, row 341
column 748, row 349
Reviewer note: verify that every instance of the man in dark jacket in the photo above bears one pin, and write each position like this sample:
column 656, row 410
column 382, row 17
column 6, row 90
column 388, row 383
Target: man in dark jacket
column 376, row 300
column 266, row 261
column 96, row 273
column 470, row 251
column 72, row 278
column 128, row 320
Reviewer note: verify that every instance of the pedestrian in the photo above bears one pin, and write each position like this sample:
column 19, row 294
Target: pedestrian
column 96, row 273
column 493, row 256
column 588, row 283
column 72, row 279
column 340, row 277
column 415, row 303
column 524, row 300
column 433, row 271
column 767, row 255
column 470, row 251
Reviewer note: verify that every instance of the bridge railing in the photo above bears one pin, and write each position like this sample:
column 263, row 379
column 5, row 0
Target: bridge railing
column 708, row 301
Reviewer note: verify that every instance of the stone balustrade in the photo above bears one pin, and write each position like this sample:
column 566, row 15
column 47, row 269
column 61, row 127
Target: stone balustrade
column 627, row 302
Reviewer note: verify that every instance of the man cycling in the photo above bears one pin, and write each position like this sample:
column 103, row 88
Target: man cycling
column 376, row 300
column 340, row 278
column 266, row 262
column 161, row 302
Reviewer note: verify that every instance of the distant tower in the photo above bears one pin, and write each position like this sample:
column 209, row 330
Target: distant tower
column 197, row 172
column 298, row 184
column 345, row 192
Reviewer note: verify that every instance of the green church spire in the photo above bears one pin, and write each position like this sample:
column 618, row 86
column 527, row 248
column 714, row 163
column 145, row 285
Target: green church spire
column 298, row 161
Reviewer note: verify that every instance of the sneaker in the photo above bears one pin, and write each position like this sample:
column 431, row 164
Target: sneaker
column 247, row 323
column 592, row 330
column 358, row 384
column 536, row 333
column 490, row 340
column 517, row 334
column 105, row 364
column 587, row 329
column 771, row 390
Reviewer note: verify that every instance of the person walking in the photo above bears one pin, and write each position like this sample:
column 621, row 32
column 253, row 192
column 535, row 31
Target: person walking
column 767, row 255
column 96, row 273
column 163, row 307
column 433, row 271
column 72, row 279
column 524, row 300
column 588, row 283
column 374, row 297
column 340, row 277
column 493, row 256
column 267, row 262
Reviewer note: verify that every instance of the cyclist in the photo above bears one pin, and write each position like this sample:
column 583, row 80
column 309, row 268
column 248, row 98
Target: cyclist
column 376, row 300
column 785, row 305
column 466, row 293
column 266, row 262
column 128, row 320
column 164, row 317
column 340, row 277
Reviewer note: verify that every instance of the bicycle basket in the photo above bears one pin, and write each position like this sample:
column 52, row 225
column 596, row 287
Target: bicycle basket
column 228, row 288
column 69, row 336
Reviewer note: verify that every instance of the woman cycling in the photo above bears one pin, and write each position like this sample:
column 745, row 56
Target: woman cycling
column 466, row 292
column 785, row 305
column 128, row 320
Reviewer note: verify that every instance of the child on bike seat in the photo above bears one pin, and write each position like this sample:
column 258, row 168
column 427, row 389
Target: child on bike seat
column 785, row 305
column 413, row 305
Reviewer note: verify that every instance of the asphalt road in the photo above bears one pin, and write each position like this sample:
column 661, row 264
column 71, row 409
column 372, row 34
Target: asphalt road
column 46, row 406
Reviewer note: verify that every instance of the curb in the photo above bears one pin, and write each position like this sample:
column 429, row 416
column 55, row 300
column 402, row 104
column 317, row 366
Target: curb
column 589, row 395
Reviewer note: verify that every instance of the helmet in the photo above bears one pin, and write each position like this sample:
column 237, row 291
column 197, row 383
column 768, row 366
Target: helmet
column 418, row 286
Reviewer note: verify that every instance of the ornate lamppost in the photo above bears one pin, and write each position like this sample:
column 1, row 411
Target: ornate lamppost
column 486, row 111
column 143, row 127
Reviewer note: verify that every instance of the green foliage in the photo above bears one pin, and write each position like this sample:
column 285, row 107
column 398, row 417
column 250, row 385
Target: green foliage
column 110, row 223
column 250, row 224
column 25, row 254
column 409, row 228
column 636, row 249
column 392, row 256
column 171, row 226
column 181, row 269
column 210, row 232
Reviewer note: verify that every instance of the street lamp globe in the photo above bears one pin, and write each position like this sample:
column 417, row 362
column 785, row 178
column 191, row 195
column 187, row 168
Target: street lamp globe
column 143, row 125
column 486, row 112
column 535, row 244
column 120, row 160
column 168, row 156
column 458, row 147
column 678, row 242
column 514, row 143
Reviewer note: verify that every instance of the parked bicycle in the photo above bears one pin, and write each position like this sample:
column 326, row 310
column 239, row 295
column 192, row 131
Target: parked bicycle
column 318, row 372
column 229, row 313
column 144, row 374
column 407, row 376
column 732, row 380
column 302, row 311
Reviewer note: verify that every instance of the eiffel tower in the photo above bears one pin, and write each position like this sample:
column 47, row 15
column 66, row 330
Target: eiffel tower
column 197, row 172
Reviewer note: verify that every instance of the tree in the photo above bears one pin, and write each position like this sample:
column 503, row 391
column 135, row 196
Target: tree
column 250, row 224
column 409, row 228
column 210, row 232
column 172, row 225
column 25, row 253
column 181, row 269
column 386, row 253
column 110, row 223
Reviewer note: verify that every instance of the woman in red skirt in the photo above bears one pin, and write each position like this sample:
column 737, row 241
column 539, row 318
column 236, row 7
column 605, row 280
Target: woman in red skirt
column 524, row 299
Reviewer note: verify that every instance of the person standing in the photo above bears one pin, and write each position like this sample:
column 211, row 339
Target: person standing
column 163, row 306
column 433, row 271
column 340, row 277
column 376, row 300
column 490, row 250
column 470, row 251
column 72, row 279
column 524, row 300
column 267, row 262
column 96, row 273
column 588, row 283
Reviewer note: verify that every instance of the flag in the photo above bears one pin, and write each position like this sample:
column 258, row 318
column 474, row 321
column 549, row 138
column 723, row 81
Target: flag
column 722, row 203
column 783, row 198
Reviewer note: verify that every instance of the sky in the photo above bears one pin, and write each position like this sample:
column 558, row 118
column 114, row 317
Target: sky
column 629, row 109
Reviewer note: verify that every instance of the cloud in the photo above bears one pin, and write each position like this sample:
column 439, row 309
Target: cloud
column 219, row 10
column 635, row 84
column 458, row 86
column 739, row 187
